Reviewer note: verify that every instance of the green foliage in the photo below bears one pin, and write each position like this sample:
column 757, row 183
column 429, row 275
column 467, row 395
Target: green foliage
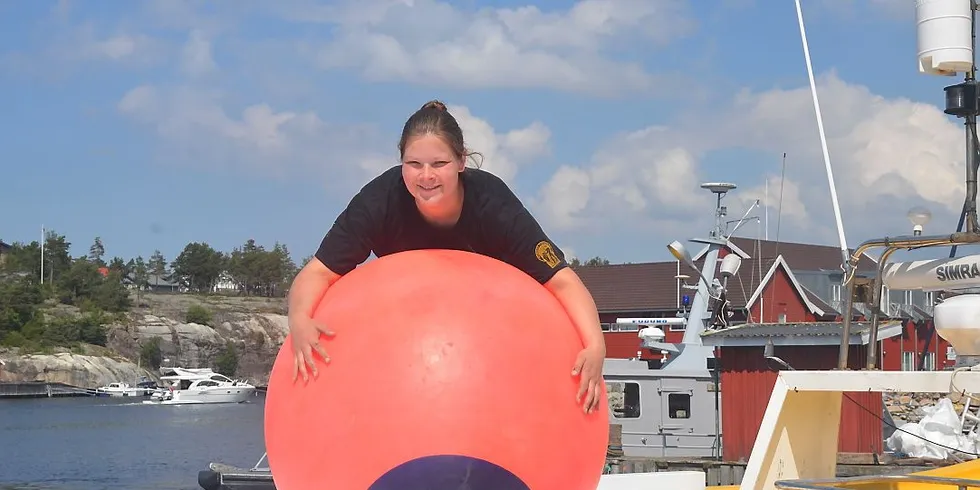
column 84, row 286
column 13, row 339
column 88, row 328
column 102, row 290
column 198, row 314
column 261, row 272
column 41, row 332
column 198, row 267
column 20, row 297
column 594, row 261
column 227, row 361
column 151, row 354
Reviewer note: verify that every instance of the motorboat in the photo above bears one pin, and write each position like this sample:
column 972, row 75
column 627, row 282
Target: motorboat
column 200, row 385
column 120, row 389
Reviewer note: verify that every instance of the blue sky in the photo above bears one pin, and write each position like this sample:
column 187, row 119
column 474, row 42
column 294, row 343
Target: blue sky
column 152, row 124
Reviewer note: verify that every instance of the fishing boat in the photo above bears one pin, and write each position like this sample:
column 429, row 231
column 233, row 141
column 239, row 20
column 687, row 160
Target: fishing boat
column 796, row 446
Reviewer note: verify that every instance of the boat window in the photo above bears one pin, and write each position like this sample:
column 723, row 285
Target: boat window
column 624, row 399
column 679, row 405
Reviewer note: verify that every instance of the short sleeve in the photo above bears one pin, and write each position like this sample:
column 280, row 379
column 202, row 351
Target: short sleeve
column 524, row 244
column 352, row 238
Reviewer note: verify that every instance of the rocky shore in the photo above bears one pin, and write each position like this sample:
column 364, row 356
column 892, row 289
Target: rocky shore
column 256, row 327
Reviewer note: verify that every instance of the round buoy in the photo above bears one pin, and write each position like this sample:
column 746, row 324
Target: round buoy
column 449, row 370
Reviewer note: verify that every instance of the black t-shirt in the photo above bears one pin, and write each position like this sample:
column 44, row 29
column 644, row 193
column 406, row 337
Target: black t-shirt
column 382, row 218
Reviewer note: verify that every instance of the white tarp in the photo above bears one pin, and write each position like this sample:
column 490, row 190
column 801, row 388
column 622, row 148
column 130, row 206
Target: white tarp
column 940, row 424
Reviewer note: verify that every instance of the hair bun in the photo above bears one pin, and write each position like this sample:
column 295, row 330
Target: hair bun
column 435, row 104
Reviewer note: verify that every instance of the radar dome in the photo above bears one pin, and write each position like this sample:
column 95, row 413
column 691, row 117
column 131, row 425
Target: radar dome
column 945, row 43
column 958, row 321
column 651, row 333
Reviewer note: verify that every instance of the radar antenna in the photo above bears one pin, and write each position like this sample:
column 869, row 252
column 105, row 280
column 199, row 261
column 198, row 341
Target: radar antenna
column 719, row 189
column 946, row 32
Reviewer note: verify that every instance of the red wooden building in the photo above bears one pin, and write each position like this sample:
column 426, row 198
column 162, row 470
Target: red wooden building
column 787, row 294
column 778, row 282
column 747, row 378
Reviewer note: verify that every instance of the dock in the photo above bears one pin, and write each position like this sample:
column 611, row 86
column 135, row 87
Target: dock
column 42, row 389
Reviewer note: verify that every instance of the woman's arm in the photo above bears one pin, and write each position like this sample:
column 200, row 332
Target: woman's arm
column 309, row 286
column 521, row 242
column 578, row 302
column 306, row 291
column 347, row 244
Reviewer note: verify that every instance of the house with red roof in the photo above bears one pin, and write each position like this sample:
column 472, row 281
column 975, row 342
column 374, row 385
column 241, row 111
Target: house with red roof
column 786, row 304
column 780, row 283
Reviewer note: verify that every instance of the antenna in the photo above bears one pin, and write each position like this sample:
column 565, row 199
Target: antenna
column 946, row 40
column 720, row 189
column 823, row 139
column 946, row 34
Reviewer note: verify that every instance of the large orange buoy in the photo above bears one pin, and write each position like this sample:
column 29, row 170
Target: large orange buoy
column 448, row 370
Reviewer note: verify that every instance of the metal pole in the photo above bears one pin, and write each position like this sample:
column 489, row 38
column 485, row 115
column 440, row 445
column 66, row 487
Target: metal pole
column 906, row 241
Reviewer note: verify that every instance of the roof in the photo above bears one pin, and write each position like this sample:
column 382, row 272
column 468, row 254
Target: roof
column 5, row 245
column 799, row 256
column 652, row 286
column 632, row 287
column 811, row 333
column 152, row 280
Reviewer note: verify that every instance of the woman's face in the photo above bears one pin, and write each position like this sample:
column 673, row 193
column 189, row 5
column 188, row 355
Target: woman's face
column 431, row 174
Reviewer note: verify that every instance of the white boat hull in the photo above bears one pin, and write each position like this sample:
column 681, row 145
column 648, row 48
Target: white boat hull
column 224, row 394
column 120, row 389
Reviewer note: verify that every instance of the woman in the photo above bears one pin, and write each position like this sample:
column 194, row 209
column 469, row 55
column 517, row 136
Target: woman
column 432, row 201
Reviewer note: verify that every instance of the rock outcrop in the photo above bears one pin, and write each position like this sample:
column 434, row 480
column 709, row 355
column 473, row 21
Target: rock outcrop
column 74, row 369
column 256, row 338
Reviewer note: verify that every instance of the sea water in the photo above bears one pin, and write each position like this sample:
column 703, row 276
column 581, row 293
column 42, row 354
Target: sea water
column 121, row 443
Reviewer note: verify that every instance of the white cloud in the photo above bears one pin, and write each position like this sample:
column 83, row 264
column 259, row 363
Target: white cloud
column 634, row 177
column 785, row 197
column 199, row 127
column 879, row 148
column 498, row 47
column 888, row 154
column 196, row 58
column 502, row 153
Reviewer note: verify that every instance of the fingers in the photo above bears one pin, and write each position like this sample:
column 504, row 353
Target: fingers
column 304, row 362
column 324, row 330
column 308, row 358
column 320, row 350
column 582, row 389
column 592, row 402
column 301, row 367
column 579, row 363
column 587, row 389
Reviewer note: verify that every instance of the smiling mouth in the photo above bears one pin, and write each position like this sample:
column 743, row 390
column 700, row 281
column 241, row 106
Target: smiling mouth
column 428, row 188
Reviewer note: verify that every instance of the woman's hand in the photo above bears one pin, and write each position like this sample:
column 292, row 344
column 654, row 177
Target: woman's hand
column 588, row 364
column 305, row 334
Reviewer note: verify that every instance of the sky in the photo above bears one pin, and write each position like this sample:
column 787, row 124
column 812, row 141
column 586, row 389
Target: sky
column 156, row 123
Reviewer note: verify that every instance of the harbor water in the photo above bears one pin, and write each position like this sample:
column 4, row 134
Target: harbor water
column 93, row 443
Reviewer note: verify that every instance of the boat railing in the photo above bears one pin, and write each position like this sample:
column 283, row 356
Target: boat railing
column 262, row 468
column 861, row 481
